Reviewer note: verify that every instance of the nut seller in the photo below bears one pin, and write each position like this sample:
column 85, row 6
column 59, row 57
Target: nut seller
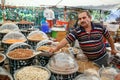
column 90, row 37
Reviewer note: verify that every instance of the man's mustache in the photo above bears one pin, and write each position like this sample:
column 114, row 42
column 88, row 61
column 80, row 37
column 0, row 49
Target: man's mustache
column 82, row 22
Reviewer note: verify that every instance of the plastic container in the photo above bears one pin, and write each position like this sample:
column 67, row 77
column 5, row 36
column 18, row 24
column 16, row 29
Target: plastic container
column 35, row 36
column 6, row 28
column 63, row 66
column 84, row 65
column 43, row 47
column 86, row 77
column 27, row 31
column 108, row 73
column 19, row 45
column 54, row 34
column 77, row 53
column 45, row 27
column 25, row 25
column 20, row 55
column 12, row 37
column 58, row 33
column 62, row 23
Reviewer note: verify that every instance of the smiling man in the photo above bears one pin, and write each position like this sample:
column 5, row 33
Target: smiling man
column 90, row 38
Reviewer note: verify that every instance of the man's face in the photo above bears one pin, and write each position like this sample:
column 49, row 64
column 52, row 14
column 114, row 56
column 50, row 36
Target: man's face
column 84, row 19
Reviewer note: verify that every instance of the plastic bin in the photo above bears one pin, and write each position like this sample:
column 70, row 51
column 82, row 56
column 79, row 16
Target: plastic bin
column 45, row 27
column 62, row 23
column 58, row 33
column 54, row 34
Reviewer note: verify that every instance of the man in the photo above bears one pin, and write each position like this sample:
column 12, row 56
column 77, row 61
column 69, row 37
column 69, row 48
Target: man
column 49, row 15
column 90, row 37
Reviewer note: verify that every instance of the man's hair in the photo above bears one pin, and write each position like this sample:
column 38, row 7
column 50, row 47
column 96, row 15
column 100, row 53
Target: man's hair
column 86, row 11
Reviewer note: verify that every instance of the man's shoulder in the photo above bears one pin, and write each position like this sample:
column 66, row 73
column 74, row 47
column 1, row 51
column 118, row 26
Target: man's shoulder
column 97, row 24
column 79, row 28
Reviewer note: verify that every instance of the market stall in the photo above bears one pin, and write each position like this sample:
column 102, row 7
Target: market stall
column 26, row 41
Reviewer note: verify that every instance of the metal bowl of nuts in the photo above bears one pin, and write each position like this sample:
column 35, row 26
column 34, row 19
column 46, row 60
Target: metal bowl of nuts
column 32, row 73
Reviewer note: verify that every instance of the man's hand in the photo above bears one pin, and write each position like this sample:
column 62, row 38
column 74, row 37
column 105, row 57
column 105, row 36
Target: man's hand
column 58, row 46
column 113, row 52
column 52, row 50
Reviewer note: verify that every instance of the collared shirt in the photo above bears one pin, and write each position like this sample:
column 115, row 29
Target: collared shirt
column 91, row 43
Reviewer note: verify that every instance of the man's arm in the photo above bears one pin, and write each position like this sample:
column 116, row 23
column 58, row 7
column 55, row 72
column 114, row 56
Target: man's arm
column 111, row 42
column 59, row 46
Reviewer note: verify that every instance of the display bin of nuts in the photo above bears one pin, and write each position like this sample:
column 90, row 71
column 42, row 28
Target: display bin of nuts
column 84, row 65
column 27, row 31
column 43, row 49
column 25, row 27
column 5, row 75
column 32, row 73
column 19, row 55
column 12, row 37
column 108, row 73
column 36, row 36
column 6, row 28
column 2, row 59
column 87, row 77
column 89, row 74
column 63, row 66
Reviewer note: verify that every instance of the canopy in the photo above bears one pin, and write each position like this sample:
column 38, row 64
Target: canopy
column 70, row 3
column 92, row 4
column 31, row 3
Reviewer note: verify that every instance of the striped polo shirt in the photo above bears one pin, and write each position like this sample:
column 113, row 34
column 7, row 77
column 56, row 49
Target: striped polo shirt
column 91, row 43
